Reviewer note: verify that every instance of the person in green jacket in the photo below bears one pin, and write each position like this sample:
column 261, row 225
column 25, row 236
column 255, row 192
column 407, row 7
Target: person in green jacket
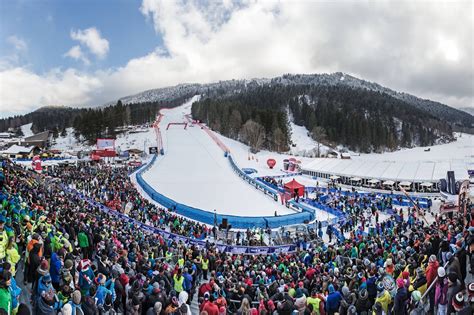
column 83, row 243
column 5, row 295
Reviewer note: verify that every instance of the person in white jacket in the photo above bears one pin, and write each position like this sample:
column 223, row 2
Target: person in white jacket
column 183, row 307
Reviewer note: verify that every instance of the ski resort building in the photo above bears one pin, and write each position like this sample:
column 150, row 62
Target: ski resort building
column 411, row 175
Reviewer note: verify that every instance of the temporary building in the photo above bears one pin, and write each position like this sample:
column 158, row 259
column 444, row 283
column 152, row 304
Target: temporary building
column 295, row 187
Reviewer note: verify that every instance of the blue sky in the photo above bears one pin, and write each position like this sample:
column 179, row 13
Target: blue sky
column 45, row 26
column 87, row 53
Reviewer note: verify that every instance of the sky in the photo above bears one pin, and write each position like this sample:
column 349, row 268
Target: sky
column 88, row 52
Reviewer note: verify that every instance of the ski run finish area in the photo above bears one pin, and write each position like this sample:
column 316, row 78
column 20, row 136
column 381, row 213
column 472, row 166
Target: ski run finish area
column 193, row 171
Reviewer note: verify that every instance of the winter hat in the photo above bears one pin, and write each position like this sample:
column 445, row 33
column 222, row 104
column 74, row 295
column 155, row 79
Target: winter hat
column 470, row 289
column 43, row 269
column 85, row 264
column 416, row 296
column 174, row 301
column 388, row 262
column 100, row 279
column 68, row 264
column 432, row 258
column 405, row 275
column 441, row 272
column 47, row 278
column 400, row 283
column 345, row 291
column 458, row 301
column 331, row 288
column 76, row 297
column 157, row 307
column 156, row 287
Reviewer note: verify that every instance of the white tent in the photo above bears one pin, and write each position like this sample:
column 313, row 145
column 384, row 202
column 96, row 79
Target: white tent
column 426, row 184
column 405, row 184
column 388, row 183
column 334, row 177
column 356, row 179
column 373, row 181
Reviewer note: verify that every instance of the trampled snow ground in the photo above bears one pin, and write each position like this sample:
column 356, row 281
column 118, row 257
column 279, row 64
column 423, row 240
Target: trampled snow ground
column 195, row 172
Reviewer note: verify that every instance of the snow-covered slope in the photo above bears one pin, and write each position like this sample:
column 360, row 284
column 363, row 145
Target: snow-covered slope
column 26, row 130
column 195, row 172
column 124, row 141
column 303, row 145
column 461, row 149
column 68, row 142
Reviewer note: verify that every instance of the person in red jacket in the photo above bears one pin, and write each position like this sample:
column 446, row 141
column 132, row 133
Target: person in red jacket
column 210, row 307
column 431, row 270
column 431, row 274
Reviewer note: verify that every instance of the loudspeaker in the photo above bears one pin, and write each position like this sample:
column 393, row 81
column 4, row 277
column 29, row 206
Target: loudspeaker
column 451, row 183
column 458, row 187
column 443, row 185
column 224, row 223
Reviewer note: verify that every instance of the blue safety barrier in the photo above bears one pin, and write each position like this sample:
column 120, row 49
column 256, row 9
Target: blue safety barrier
column 208, row 217
column 423, row 202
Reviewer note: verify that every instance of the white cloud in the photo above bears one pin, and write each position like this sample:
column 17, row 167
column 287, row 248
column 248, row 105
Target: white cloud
column 92, row 38
column 21, row 89
column 18, row 43
column 427, row 54
column 76, row 53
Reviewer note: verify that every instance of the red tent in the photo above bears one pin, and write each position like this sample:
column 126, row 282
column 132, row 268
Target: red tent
column 293, row 187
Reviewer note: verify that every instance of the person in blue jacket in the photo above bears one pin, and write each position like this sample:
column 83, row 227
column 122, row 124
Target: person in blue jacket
column 333, row 300
column 57, row 263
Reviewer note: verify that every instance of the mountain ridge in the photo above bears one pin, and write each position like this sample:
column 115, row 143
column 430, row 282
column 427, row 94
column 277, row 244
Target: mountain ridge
column 333, row 79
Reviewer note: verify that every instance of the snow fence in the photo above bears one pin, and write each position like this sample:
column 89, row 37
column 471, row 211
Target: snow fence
column 237, row 222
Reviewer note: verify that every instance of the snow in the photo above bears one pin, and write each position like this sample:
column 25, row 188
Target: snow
column 461, row 149
column 138, row 140
column 304, row 144
column 68, row 142
column 195, row 172
column 26, row 129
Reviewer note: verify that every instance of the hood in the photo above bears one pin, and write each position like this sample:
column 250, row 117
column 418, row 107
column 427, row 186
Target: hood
column 183, row 297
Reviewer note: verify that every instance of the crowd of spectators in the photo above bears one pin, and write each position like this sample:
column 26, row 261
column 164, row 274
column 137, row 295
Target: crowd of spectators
column 73, row 258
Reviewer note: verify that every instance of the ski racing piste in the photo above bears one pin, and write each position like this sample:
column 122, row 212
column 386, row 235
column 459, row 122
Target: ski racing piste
column 194, row 165
column 237, row 222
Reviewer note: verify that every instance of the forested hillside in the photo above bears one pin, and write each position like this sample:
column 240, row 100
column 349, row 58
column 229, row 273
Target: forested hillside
column 91, row 123
column 359, row 119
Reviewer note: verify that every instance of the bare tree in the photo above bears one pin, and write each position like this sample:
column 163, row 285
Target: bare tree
column 253, row 134
column 319, row 134
column 279, row 140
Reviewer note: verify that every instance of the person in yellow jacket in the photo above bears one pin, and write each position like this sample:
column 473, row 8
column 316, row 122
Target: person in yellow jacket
column 178, row 280
column 12, row 254
column 383, row 297
column 205, row 267
column 3, row 238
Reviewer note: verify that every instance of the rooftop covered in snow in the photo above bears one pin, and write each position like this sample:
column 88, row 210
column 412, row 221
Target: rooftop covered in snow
column 412, row 171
